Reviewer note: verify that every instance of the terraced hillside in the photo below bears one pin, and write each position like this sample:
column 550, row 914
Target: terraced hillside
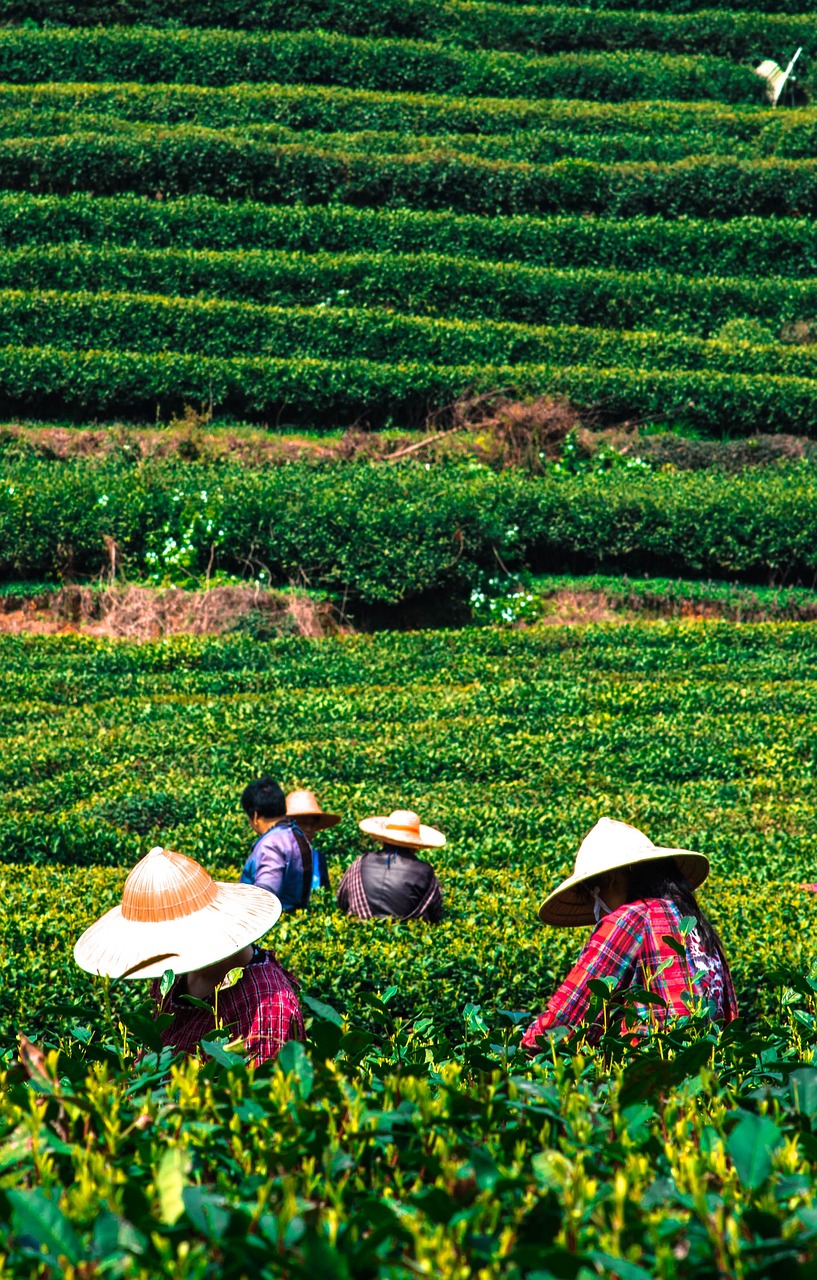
column 318, row 213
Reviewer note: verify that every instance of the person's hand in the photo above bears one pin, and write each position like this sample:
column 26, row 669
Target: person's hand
column 810, row 888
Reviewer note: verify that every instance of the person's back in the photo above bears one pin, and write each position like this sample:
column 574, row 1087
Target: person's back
column 278, row 862
column 261, row 1008
column 396, row 883
column 392, row 881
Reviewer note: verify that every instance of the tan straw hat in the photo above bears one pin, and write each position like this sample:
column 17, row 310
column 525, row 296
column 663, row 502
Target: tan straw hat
column 608, row 846
column 174, row 916
column 304, row 804
column 403, row 828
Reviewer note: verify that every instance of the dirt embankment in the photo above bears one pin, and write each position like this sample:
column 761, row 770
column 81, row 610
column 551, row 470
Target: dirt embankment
column 145, row 613
column 149, row 613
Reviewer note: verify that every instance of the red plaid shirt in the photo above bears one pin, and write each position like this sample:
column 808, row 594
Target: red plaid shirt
column 262, row 1009
column 628, row 946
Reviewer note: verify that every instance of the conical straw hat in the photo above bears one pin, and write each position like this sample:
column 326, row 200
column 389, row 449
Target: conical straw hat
column 174, row 916
column 304, row 804
column 403, row 828
column 607, row 847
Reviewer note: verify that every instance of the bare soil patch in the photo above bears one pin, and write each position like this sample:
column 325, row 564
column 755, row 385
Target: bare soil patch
column 145, row 613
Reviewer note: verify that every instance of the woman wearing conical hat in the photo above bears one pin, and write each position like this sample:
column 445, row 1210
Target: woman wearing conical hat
column 174, row 916
column 637, row 894
column 391, row 880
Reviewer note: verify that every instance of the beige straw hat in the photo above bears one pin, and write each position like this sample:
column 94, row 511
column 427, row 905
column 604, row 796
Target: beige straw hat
column 403, row 828
column 174, row 916
column 304, row 804
column 607, row 847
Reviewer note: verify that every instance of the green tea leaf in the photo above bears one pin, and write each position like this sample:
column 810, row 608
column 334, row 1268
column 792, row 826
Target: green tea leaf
column 751, row 1145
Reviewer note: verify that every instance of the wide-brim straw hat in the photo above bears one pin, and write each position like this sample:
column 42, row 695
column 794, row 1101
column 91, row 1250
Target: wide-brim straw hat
column 403, row 828
column 304, row 804
column 174, row 916
column 608, row 847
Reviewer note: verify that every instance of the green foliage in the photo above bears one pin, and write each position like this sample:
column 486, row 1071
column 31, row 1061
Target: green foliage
column 513, row 742
column 387, row 1148
column 325, row 392
column 686, row 246
column 197, row 56
column 505, row 26
column 137, row 322
column 383, row 533
column 334, row 109
column 458, row 288
column 189, row 160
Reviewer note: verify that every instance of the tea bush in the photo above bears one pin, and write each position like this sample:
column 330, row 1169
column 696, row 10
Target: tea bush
column 459, row 288
column 535, row 165
column 410, row 1132
column 687, row 246
column 386, row 534
column 335, row 109
column 214, row 327
column 187, row 160
column 225, row 57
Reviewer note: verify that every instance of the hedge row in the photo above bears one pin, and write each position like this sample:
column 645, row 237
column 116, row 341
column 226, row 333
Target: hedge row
column 316, row 392
column 336, row 109
column 536, row 147
column 685, row 6
column 427, row 284
column 531, row 147
column 226, row 57
column 135, row 322
column 751, row 246
column 550, row 29
column 190, row 160
column 410, row 18
column 541, row 28
column 386, row 533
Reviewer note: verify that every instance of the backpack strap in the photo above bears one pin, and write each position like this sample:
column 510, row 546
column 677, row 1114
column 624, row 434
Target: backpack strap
column 307, row 859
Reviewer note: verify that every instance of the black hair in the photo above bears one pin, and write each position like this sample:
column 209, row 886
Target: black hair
column 264, row 797
column 663, row 878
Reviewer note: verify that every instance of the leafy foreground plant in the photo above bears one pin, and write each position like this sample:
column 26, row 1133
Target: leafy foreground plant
column 383, row 1149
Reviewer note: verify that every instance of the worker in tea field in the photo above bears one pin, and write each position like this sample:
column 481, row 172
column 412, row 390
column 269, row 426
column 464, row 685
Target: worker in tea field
column 638, row 895
column 304, row 808
column 392, row 880
column 175, row 917
column 281, row 859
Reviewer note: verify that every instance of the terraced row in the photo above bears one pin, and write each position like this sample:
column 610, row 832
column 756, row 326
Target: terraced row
column 779, row 247
column 504, row 26
column 275, row 327
column 193, row 56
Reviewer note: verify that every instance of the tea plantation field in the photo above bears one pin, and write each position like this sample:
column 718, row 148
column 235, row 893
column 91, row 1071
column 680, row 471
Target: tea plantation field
column 410, row 1137
column 323, row 213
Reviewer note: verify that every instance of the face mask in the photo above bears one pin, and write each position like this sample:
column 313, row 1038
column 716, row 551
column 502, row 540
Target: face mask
column 600, row 907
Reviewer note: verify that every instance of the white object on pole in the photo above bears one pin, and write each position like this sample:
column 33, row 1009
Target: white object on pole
column 776, row 78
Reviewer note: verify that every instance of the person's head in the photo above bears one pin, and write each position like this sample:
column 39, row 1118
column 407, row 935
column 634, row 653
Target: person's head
column 310, row 824
column 264, row 803
column 174, row 915
column 617, row 863
column 650, row 878
column 402, row 829
column 304, row 808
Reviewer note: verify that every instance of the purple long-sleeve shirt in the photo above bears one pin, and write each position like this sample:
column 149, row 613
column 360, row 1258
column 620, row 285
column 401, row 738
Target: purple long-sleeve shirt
column 276, row 863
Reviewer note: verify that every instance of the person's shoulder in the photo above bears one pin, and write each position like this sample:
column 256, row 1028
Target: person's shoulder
column 280, row 836
column 629, row 913
column 267, row 969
